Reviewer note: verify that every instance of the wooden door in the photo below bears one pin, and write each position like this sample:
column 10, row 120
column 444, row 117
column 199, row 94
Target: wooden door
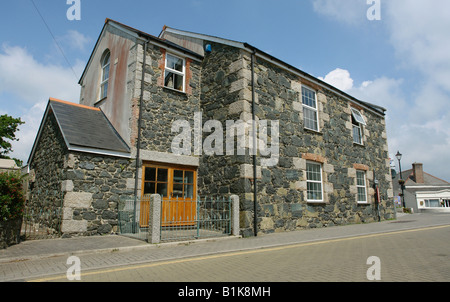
column 177, row 186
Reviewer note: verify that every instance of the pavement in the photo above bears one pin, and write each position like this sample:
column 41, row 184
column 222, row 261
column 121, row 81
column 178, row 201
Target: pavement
column 37, row 258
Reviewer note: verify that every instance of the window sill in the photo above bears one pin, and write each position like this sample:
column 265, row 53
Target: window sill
column 360, row 145
column 312, row 131
column 100, row 101
column 363, row 203
column 174, row 90
column 316, row 202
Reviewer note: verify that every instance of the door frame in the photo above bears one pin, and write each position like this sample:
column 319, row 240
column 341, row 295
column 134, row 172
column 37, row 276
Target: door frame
column 168, row 203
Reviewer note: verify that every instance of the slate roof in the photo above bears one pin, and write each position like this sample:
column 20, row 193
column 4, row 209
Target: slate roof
column 428, row 179
column 85, row 129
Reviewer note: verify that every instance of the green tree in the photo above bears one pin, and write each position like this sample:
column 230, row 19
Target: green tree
column 8, row 128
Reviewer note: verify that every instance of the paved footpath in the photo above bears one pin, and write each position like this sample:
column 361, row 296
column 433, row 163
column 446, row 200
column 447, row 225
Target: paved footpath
column 41, row 260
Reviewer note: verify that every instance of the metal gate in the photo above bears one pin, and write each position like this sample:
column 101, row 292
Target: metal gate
column 180, row 219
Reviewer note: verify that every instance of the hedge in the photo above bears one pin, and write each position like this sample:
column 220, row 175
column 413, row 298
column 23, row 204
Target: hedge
column 12, row 200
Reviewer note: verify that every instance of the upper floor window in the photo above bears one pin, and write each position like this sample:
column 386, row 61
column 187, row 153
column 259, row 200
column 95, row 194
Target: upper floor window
column 357, row 122
column 105, row 74
column 174, row 72
column 310, row 114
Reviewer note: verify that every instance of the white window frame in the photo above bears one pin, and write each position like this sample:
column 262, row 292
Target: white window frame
column 357, row 126
column 105, row 81
column 174, row 71
column 358, row 116
column 315, row 109
column 358, row 138
column 309, row 181
column 361, row 186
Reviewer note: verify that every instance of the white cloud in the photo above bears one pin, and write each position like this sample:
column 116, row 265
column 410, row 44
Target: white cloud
column 339, row 78
column 76, row 40
column 419, row 34
column 417, row 113
column 346, row 11
column 417, row 129
column 25, row 87
column 31, row 81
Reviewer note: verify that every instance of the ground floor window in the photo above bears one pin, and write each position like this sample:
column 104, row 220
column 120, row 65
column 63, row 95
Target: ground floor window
column 314, row 182
column 169, row 181
column 437, row 203
column 361, row 186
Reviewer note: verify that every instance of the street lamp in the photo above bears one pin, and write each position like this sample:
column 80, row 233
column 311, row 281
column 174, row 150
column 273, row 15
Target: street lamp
column 402, row 182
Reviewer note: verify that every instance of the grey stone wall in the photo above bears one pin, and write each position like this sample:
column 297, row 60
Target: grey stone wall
column 225, row 96
column 76, row 193
column 162, row 106
column 282, row 189
column 47, row 171
column 281, row 197
column 93, row 187
column 10, row 232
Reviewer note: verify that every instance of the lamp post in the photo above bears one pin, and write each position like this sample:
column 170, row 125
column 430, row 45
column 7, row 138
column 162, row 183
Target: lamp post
column 402, row 183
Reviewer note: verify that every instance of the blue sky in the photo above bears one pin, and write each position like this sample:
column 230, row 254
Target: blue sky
column 400, row 62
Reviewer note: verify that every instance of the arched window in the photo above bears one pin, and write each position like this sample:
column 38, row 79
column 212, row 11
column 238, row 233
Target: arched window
column 105, row 74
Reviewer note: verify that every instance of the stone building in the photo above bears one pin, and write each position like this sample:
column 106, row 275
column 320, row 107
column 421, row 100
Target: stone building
column 185, row 105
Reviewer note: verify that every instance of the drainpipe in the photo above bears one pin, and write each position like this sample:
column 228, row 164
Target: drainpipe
column 138, row 143
column 255, row 216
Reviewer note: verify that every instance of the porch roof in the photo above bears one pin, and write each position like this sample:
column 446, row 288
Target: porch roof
column 84, row 129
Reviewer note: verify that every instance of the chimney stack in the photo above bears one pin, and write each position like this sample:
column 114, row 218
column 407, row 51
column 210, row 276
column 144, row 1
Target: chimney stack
column 418, row 173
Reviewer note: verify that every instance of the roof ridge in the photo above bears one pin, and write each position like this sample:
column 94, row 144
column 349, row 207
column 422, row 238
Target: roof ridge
column 74, row 104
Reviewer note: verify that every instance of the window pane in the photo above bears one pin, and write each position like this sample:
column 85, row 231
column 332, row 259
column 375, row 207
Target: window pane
column 106, row 59
column 189, row 191
column 178, row 176
column 361, row 194
column 308, row 97
column 177, row 190
column 358, row 116
column 314, row 181
column 178, row 82
column 149, row 188
column 434, row 203
column 310, row 118
column 162, row 175
column 174, row 63
column 104, row 90
column 174, row 81
column 357, row 137
column 313, row 172
column 189, row 177
column 360, row 178
column 314, row 191
column 161, row 189
column 150, row 174
column 105, row 73
column 168, row 79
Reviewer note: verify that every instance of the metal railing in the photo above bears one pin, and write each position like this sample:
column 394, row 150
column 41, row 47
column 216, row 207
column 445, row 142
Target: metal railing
column 41, row 224
column 178, row 218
